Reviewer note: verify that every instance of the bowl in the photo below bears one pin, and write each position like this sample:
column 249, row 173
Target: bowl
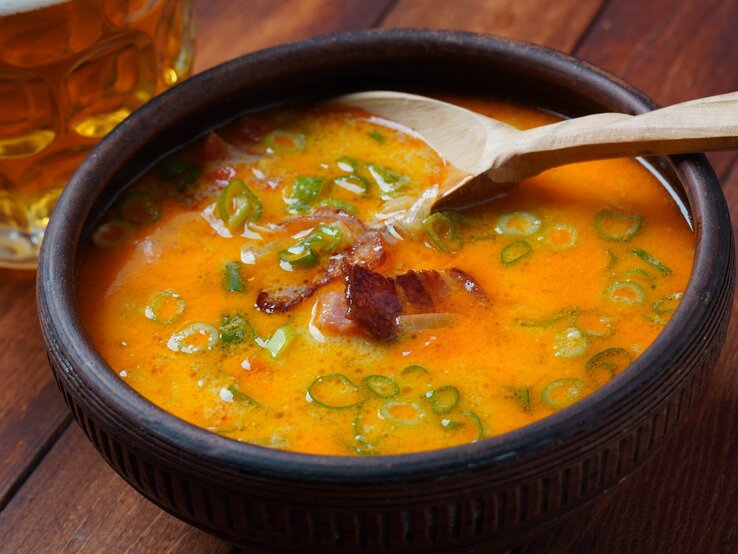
column 493, row 494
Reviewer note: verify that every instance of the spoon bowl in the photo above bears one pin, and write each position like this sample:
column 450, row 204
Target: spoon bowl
column 486, row 154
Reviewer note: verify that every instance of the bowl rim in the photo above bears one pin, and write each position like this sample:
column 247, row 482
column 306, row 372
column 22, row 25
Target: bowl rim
column 64, row 333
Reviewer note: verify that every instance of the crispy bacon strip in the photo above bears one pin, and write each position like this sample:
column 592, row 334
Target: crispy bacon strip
column 375, row 301
column 368, row 251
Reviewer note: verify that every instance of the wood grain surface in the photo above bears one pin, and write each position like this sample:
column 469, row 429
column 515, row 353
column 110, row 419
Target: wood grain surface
column 56, row 494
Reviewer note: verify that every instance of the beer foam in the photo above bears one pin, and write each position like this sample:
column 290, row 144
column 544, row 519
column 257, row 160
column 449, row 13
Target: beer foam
column 12, row 7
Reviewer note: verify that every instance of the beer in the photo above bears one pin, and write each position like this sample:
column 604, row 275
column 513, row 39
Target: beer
column 71, row 70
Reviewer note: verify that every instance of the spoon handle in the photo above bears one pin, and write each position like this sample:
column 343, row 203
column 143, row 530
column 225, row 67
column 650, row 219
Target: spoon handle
column 695, row 126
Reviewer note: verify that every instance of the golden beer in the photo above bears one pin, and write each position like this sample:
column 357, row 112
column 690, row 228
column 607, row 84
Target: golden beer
column 70, row 71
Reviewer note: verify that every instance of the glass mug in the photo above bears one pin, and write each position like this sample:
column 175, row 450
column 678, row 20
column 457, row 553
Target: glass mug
column 70, row 70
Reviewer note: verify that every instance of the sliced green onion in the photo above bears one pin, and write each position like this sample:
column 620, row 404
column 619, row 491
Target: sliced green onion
column 404, row 412
column 286, row 142
column 612, row 259
column 187, row 174
column 617, row 226
column 237, row 205
column 353, row 183
column 518, row 224
column 456, row 424
column 561, row 237
column 234, row 328
column 604, row 365
column 139, row 209
column 570, row 343
column 515, row 252
column 547, row 321
column 638, row 273
column 443, row 400
column 562, row 392
column 382, row 386
column 442, row 231
column 242, row 397
column 300, row 255
column 388, row 181
column 307, row 189
column 112, row 233
column 522, row 397
column 667, row 304
column 625, row 292
column 324, row 239
column 335, row 391
column 279, row 340
column 198, row 337
column 165, row 307
column 232, row 277
column 376, row 135
column 349, row 165
column 338, row 204
column 595, row 324
column 652, row 260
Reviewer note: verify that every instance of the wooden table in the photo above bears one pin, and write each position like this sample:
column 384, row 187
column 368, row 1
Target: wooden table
column 56, row 493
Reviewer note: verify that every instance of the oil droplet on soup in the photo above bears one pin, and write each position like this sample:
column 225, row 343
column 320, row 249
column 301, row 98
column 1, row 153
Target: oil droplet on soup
column 281, row 282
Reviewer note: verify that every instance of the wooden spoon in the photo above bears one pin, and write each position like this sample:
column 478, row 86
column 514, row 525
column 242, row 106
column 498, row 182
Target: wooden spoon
column 486, row 153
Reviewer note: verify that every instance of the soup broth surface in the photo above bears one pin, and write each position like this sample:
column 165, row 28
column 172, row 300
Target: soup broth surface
column 281, row 282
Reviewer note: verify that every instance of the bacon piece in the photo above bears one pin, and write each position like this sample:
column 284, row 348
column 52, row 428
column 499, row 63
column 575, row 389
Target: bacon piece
column 368, row 251
column 331, row 314
column 375, row 302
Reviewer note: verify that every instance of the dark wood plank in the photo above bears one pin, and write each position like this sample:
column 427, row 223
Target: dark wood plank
column 673, row 51
column 228, row 28
column 686, row 499
column 555, row 24
column 32, row 412
column 75, row 503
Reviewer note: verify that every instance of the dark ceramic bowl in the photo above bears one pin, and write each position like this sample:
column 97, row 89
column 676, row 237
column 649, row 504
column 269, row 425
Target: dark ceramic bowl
column 492, row 494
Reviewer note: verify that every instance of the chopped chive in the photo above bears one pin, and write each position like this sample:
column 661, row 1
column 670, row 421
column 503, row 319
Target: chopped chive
column 522, row 397
column 515, row 252
column 456, row 424
column 300, row 255
column 237, row 205
column 570, row 343
column 667, row 304
column 242, row 397
column 562, row 392
column 604, row 365
column 234, row 328
column 279, row 340
column 165, row 307
column 307, row 189
column 625, row 292
column 112, row 233
column 444, row 399
column 442, row 231
column 404, row 412
column 382, row 386
column 518, row 224
column 286, row 142
column 335, row 391
column 198, row 337
column 652, row 260
column 376, row 135
column 338, row 204
column 139, row 209
column 353, row 183
column 617, row 226
column 232, row 277
column 388, row 181
column 547, row 321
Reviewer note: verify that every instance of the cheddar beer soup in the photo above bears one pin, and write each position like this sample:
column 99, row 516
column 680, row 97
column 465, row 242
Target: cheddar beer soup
column 282, row 282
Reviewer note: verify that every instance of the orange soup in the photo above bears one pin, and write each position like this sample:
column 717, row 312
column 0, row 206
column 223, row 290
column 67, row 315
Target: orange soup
column 282, row 282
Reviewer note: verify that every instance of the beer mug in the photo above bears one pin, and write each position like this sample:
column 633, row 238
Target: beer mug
column 70, row 70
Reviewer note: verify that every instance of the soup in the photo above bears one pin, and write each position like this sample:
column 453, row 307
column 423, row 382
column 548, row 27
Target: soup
column 282, row 282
